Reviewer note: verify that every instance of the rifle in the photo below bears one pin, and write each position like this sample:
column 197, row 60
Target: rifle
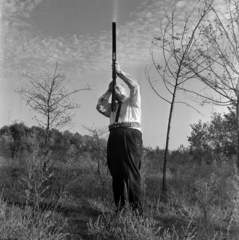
column 114, row 75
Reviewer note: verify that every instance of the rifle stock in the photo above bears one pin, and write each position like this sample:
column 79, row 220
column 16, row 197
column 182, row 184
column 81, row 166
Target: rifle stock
column 113, row 99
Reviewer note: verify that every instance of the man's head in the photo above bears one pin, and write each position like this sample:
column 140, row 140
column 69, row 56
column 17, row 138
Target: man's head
column 120, row 92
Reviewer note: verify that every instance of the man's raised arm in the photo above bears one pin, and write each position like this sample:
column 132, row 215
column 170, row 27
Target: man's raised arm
column 103, row 105
column 128, row 79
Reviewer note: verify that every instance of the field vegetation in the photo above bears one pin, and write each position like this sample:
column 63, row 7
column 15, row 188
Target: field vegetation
column 64, row 192
column 56, row 185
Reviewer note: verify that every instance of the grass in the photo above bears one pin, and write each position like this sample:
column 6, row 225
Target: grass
column 76, row 202
column 24, row 223
column 124, row 225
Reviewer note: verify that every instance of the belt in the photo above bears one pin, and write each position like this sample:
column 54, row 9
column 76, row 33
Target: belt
column 124, row 125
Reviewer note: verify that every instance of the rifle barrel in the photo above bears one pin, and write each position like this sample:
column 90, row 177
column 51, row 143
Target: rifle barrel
column 113, row 102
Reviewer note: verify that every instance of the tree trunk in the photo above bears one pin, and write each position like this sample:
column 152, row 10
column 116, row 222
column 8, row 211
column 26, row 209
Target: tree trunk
column 47, row 130
column 237, row 128
column 164, row 187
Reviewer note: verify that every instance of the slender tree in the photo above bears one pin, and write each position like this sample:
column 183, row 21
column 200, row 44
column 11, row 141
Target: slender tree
column 174, row 44
column 215, row 60
column 47, row 94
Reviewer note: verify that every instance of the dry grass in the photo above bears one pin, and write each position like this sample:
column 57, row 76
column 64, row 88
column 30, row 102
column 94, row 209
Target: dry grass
column 203, row 202
column 26, row 224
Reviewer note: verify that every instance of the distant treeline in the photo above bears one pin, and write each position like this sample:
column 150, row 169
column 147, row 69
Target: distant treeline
column 215, row 140
column 15, row 139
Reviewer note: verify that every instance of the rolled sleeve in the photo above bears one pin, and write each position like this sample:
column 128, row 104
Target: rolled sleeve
column 103, row 105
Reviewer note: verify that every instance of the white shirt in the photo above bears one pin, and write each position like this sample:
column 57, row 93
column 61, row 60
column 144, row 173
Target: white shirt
column 130, row 107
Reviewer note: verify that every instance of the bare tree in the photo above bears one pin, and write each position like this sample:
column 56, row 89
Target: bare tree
column 47, row 94
column 178, row 36
column 216, row 58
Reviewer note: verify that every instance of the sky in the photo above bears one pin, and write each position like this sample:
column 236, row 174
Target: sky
column 35, row 34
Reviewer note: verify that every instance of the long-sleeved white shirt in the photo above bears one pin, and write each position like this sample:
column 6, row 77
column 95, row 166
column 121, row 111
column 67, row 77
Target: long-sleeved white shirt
column 130, row 107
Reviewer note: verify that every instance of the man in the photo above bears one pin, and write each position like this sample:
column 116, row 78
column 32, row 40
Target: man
column 124, row 148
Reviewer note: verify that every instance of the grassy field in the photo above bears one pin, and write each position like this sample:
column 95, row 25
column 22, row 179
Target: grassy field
column 73, row 200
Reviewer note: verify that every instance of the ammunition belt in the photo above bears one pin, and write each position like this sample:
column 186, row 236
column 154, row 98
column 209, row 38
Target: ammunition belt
column 124, row 125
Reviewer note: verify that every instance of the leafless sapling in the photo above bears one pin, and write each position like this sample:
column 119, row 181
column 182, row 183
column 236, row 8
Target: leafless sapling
column 179, row 33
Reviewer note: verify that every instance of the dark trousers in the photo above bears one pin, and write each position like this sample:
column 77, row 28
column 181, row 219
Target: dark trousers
column 124, row 153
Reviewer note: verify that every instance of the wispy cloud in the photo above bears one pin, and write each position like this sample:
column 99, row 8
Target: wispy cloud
column 23, row 49
column 90, row 52
column 19, row 8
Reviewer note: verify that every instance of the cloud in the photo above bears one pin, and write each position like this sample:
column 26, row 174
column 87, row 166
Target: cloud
column 18, row 8
column 91, row 53
column 180, row 4
column 82, row 54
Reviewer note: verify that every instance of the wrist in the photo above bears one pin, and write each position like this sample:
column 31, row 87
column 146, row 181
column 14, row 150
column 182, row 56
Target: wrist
column 120, row 73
